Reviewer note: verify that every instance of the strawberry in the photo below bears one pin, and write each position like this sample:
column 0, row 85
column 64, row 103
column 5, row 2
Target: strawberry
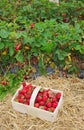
column 45, row 93
column 29, row 91
column 20, row 95
column 24, row 91
column 3, row 82
column 39, row 94
column 52, row 109
column 26, row 103
column 48, row 104
column 54, row 99
column 32, row 25
column 29, row 86
column 36, row 105
column 45, row 108
column 41, row 103
column 44, row 98
column 54, row 104
column 58, row 95
column 20, row 100
column 28, row 96
column 38, row 98
column 17, row 47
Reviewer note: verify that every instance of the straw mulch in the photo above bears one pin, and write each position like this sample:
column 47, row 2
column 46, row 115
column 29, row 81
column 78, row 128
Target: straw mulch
column 70, row 116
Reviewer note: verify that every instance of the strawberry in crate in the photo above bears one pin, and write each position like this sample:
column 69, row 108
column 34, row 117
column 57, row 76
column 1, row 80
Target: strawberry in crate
column 47, row 100
column 24, row 95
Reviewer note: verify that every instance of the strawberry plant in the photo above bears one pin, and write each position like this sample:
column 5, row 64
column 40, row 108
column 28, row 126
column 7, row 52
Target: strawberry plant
column 37, row 35
column 9, row 83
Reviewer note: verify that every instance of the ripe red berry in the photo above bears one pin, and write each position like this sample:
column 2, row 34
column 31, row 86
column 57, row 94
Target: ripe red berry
column 44, row 98
column 58, row 95
column 20, row 100
column 45, row 108
column 54, row 104
column 38, row 98
column 27, row 102
column 29, row 91
column 36, row 105
column 3, row 82
column 45, row 93
column 24, row 91
column 17, row 47
column 48, row 104
column 27, row 96
column 52, row 109
column 41, row 103
column 32, row 25
column 20, row 95
column 54, row 99
column 30, row 86
column 39, row 94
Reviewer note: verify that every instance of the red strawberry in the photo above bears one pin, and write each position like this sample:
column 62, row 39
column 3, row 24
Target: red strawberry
column 36, row 105
column 48, row 104
column 54, row 99
column 54, row 104
column 45, row 108
column 27, row 102
column 28, row 96
column 52, row 109
column 45, row 93
column 20, row 100
column 17, row 47
column 29, row 91
column 58, row 95
column 39, row 94
column 3, row 82
column 44, row 98
column 29, row 86
column 20, row 95
column 38, row 98
column 41, row 103
column 32, row 25
column 24, row 91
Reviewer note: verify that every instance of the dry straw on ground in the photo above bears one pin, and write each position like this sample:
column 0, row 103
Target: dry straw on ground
column 70, row 116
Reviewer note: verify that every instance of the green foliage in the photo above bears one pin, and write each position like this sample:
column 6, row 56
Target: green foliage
column 40, row 33
column 13, row 82
column 58, row 30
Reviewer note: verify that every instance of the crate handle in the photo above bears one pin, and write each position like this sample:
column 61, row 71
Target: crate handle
column 34, row 94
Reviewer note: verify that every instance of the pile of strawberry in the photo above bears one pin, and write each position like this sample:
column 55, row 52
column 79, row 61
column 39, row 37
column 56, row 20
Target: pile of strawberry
column 45, row 99
column 24, row 95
